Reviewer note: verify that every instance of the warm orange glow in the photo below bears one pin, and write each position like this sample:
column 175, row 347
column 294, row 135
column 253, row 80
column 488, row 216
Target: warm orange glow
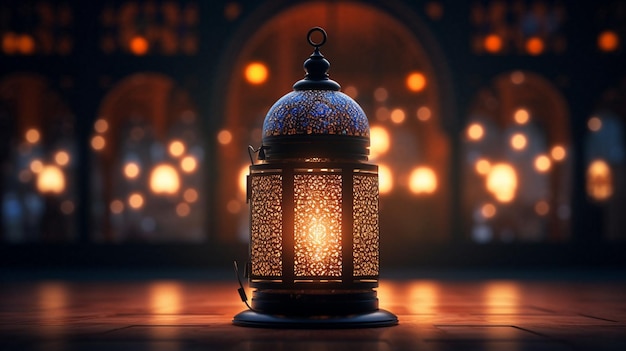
column 256, row 73
column 190, row 195
column 381, row 94
column 558, row 153
column 518, row 141
column 98, row 143
column 176, row 148
column 165, row 298
column 594, row 124
column 52, row 299
column 26, row 44
column 475, row 131
column 501, row 182
column 502, row 297
column 183, row 209
column 488, row 210
column 9, row 41
column 521, row 116
column 62, row 158
column 101, row 125
column 351, row 91
column 233, row 206
column 608, row 41
column 534, row 46
column 482, row 166
column 493, row 43
column 397, row 116
column 32, row 136
column 424, row 294
column 243, row 179
column 36, row 166
column 423, row 180
column 423, row 113
column 188, row 164
column 385, row 179
column 135, row 200
column 599, row 180
column 224, row 137
column 416, row 81
column 518, row 77
column 131, row 170
column 50, row 180
column 542, row 163
column 382, row 113
column 542, row 208
column 116, row 206
column 317, row 239
column 379, row 142
column 139, row 45
column 164, row 180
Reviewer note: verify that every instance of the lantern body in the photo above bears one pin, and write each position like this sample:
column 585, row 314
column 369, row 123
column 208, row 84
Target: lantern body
column 314, row 236
column 314, row 225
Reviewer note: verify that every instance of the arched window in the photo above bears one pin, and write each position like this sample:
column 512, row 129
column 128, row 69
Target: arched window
column 38, row 159
column 516, row 162
column 148, row 181
column 383, row 65
column 605, row 164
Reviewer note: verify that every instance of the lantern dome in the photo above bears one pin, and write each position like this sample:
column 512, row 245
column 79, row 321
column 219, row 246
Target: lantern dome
column 316, row 120
column 303, row 112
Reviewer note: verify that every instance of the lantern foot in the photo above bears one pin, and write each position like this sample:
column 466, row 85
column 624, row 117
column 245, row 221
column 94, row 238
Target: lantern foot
column 378, row 318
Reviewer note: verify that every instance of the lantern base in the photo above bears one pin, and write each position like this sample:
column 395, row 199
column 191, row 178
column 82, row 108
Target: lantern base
column 378, row 318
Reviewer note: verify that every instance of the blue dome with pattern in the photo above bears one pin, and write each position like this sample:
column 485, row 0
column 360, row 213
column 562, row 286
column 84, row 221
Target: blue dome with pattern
column 312, row 112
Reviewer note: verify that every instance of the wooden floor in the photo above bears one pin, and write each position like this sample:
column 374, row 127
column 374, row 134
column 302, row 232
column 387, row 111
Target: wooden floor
column 437, row 314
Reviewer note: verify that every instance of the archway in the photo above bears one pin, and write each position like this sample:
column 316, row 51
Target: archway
column 378, row 61
column 38, row 159
column 516, row 162
column 148, row 181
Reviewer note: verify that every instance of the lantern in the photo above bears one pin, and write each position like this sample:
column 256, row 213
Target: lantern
column 314, row 243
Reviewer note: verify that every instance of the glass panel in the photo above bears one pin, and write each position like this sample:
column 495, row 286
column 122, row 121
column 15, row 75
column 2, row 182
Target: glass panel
column 266, row 225
column 365, row 230
column 317, row 225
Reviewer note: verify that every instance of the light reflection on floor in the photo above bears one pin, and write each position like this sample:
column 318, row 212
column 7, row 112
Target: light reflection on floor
column 434, row 315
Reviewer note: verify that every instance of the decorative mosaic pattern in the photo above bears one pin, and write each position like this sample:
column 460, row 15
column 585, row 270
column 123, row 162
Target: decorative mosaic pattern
column 317, row 225
column 316, row 112
column 266, row 225
column 365, row 229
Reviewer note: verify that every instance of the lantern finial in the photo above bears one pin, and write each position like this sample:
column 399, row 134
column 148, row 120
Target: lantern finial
column 316, row 67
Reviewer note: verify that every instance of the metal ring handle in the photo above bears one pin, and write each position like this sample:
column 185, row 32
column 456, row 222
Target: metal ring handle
column 313, row 30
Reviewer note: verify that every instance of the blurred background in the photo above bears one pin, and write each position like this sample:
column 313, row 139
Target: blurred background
column 498, row 126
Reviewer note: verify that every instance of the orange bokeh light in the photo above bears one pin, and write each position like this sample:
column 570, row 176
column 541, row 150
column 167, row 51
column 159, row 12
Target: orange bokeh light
column 608, row 41
column 416, row 81
column 493, row 43
column 139, row 45
column 535, row 46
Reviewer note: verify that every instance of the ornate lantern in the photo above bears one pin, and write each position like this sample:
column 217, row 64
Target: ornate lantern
column 314, row 244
